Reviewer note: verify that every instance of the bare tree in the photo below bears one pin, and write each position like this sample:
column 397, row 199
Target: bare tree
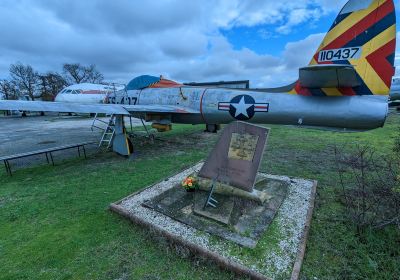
column 76, row 73
column 51, row 84
column 25, row 78
column 93, row 75
column 9, row 90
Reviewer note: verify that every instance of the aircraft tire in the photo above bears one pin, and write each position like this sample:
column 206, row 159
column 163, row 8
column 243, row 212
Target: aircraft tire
column 213, row 128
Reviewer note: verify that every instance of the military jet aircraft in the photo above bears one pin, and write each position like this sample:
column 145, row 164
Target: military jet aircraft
column 346, row 86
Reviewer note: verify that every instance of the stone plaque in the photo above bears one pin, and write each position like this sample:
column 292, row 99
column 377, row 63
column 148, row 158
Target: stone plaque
column 236, row 158
column 243, row 146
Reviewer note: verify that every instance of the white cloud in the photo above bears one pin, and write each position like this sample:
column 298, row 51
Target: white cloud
column 285, row 13
column 298, row 54
column 298, row 16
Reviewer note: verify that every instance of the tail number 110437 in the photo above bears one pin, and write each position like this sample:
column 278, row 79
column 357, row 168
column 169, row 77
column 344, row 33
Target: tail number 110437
column 339, row 54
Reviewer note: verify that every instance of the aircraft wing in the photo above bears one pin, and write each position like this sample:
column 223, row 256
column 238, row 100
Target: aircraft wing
column 64, row 107
column 159, row 109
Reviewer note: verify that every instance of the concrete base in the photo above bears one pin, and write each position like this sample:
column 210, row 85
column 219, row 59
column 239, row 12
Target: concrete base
column 278, row 254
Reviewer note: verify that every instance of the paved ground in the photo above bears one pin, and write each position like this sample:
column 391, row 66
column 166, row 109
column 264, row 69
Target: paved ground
column 18, row 134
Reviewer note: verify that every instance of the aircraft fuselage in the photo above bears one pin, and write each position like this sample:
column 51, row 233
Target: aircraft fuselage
column 220, row 106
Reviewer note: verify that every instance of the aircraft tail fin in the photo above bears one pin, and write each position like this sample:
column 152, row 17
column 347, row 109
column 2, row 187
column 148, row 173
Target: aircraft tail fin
column 360, row 43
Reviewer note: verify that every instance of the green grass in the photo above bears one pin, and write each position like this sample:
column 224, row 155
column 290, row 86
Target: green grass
column 54, row 222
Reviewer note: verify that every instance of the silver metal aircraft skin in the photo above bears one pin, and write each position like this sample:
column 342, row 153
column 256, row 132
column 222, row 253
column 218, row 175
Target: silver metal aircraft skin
column 220, row 106
column 197, row 105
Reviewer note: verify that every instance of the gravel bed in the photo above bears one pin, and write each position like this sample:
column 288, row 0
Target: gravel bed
column 276, row 261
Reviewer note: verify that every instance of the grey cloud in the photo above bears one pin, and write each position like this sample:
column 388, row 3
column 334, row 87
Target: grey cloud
column 124, row 17
column 184, row 43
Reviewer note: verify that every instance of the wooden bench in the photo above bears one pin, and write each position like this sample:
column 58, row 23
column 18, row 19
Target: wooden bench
column 48, row 152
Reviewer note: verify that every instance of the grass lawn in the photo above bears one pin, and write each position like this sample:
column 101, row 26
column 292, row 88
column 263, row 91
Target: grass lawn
column 54, row 222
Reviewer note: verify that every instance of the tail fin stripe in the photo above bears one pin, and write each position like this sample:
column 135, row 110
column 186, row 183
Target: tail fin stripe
column 378, row 28
column 380, row 64
column 301, row 90
column 364, row 37
column 347, row 91
column 352, row 20
column 361, row 26
column 380, row 40
column 363, row 89
column 317, row 92
column 339, row 19
column 332, row 91
column 373, row 79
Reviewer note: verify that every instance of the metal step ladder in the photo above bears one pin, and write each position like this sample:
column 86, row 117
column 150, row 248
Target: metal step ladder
column 108, row 132
column 97, row 120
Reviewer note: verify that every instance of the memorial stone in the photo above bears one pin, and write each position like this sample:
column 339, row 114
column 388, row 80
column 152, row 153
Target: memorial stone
column 236, row 158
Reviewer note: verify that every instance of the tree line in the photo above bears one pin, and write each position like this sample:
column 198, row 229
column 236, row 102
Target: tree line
column 27, row 83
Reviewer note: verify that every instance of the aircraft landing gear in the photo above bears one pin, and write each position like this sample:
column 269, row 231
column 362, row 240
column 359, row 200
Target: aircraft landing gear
column 213, row 128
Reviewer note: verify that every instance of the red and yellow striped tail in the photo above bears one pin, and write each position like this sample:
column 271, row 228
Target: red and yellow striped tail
column 363, row 36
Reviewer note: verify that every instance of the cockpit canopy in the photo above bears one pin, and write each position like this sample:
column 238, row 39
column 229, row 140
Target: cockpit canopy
column 71, row 91
column 147, row 81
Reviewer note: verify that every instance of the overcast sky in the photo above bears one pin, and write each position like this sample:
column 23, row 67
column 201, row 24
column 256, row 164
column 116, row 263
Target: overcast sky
column 198, row 40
